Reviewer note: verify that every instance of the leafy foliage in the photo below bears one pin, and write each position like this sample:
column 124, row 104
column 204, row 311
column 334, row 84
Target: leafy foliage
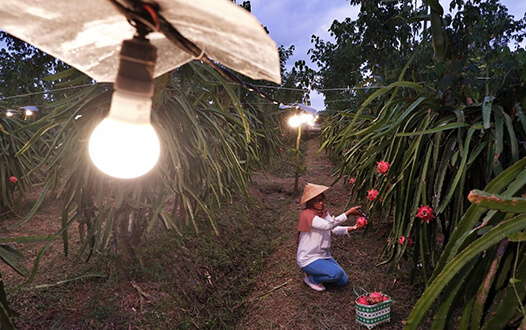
column 447, row 124
column 14, row 171
column 22, row 68
column 211, row 145
column 483, row 266
column 373, row 47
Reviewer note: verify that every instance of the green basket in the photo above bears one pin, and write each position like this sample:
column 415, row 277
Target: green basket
column 372, row 315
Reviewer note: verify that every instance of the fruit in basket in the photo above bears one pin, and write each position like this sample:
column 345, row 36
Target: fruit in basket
column 375, row 298
column 372, row 298
column 361, row 222
column 362, row 300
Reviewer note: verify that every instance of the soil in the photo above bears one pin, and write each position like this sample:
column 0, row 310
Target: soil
column 273, row 297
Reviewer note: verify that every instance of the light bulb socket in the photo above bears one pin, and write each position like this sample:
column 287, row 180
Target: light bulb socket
column 136, row 67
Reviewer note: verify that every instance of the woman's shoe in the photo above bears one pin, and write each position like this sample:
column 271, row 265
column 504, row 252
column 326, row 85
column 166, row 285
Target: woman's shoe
column 315, row 286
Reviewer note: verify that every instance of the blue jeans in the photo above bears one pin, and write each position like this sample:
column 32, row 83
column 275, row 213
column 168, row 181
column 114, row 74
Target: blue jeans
column 326, row 271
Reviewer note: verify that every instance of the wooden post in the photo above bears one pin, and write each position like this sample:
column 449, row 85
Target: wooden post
column 296, row 190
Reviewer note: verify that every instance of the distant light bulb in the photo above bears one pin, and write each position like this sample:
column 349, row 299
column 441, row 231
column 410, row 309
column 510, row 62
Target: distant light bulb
column 294, row 121
column 125, row 145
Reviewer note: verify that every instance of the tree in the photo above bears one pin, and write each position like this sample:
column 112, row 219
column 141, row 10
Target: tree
column 22, row 72
column 376, row 45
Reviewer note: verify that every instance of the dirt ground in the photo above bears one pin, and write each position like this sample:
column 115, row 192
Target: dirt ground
column 281, row 300
column 274, row 298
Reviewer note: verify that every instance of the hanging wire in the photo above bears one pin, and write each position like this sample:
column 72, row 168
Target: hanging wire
column 46, row 91
column 145, row 18
column 142, row 16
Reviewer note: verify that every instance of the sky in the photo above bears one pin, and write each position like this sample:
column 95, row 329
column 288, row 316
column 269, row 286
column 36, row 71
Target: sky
column 293, row 22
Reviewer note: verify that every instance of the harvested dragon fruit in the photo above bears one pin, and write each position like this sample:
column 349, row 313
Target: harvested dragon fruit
column 372, row 299
column 375, row 298
column 362, row 300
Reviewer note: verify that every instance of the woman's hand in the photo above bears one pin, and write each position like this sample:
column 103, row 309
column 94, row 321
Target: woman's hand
column 351, row 228
column 354, row 211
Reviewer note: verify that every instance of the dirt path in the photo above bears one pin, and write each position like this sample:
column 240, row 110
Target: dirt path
column 281, row 299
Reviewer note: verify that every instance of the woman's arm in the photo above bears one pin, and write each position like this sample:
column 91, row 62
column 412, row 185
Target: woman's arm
column 329, row 222
column 353, row 211
column 342, row 230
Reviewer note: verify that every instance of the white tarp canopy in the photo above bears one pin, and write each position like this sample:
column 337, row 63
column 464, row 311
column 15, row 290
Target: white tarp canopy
column 30, row 108
column 301, row 106
column 88, row 35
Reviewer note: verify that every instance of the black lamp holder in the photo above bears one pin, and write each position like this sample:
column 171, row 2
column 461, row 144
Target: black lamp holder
column 136, row 67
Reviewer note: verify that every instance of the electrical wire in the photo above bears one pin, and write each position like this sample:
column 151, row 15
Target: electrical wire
column 46, row 91
column 143, row 16
column 153, row 15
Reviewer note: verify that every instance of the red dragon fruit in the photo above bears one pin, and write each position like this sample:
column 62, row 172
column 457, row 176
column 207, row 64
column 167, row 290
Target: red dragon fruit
column 375, row 298
column 383, row 167
column 362, row 300
column 361, row 222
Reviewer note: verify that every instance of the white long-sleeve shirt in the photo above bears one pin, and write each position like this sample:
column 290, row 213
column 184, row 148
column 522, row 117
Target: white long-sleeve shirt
column 316, row 244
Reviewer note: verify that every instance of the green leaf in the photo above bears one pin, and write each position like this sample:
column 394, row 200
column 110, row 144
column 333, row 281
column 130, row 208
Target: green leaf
column 417, row 18
column 499, row 136
column 12, row 257
column 435, row 129
column 460, row 172
column 513, row 143
column 435, row 6
column 497, row 201
column 463, row 258
column 517, row 237
column 36, row 206
column 521, row 115
column 27, row 239
column 486, row 111
column 512, row 179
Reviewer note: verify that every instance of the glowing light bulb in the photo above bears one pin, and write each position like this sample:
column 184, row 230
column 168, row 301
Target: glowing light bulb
column 125, row 145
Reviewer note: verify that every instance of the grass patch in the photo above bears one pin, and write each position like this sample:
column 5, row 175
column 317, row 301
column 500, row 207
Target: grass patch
column 198, row 281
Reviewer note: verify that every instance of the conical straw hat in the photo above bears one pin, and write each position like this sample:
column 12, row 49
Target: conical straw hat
column 312, row 190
